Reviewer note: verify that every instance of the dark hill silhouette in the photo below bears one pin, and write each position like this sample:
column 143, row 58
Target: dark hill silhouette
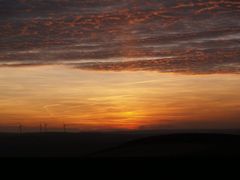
column 119, row 145
column 178, row 146
column 58, row 144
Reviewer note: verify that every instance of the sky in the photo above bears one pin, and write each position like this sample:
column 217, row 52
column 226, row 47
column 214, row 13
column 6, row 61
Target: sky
column 120, row 64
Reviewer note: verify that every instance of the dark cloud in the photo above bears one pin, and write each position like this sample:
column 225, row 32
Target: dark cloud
column 199, row 36
column 193, row 62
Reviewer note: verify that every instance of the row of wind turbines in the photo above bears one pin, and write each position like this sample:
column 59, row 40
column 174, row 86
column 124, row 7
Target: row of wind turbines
column 43, row 128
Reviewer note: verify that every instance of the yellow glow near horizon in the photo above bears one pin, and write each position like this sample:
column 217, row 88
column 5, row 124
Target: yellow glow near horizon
column 118, row 100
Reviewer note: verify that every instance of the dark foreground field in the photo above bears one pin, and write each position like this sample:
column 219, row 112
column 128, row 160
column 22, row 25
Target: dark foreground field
column 94, row 145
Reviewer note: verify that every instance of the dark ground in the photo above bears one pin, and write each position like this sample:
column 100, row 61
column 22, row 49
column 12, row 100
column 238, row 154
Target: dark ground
column 59, row 144
column 92, row 145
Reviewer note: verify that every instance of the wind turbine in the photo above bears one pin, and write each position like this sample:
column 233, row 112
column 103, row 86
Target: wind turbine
column 20, row 128
column 41, row 128
column 64, row 128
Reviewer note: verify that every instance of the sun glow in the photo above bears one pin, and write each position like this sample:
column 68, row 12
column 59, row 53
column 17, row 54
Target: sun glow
column 117, row 100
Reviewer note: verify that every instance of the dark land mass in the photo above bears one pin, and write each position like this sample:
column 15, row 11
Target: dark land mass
column 178, row 146
column 120, row 145
column 59, row 144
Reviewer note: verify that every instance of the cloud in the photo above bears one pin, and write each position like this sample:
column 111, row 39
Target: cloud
column 192, row 62
column 201, row 36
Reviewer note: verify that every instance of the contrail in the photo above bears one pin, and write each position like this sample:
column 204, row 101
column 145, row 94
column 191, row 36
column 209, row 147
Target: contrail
column 50, row 113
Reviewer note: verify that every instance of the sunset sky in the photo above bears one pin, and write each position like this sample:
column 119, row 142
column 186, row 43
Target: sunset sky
column 120, row 64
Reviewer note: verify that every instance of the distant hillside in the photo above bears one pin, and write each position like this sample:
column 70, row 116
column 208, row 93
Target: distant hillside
column 117, row 145
column 59, row 144
column 178, row 146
